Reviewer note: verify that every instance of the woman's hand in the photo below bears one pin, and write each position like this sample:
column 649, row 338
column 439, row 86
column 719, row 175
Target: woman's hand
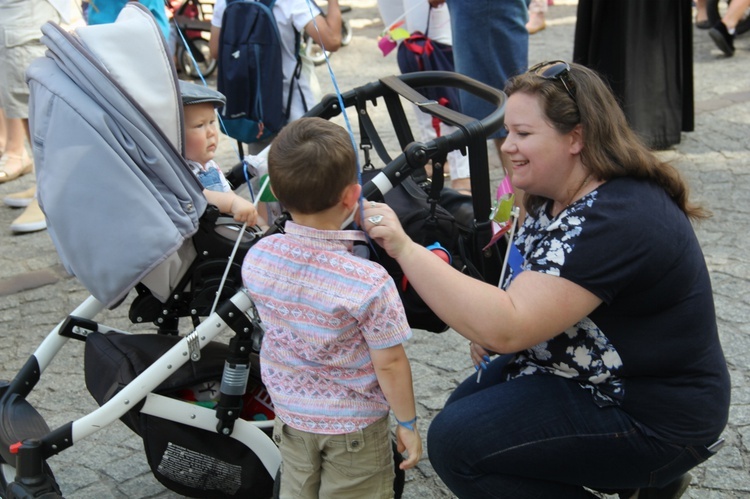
column 480, row 356
column 383, row 226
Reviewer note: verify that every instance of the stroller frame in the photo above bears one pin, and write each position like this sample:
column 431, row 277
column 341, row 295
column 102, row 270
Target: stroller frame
column 39, row 444
column 26, row 442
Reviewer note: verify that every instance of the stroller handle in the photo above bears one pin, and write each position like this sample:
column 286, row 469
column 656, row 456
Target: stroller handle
column 417, row 154
column 329, row 106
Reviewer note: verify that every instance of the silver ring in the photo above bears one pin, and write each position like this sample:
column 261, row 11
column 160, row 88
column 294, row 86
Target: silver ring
column 375, row 219
column 372, row 204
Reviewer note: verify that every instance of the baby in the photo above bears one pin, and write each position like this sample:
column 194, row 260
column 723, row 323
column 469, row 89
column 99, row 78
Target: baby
column 201, row 139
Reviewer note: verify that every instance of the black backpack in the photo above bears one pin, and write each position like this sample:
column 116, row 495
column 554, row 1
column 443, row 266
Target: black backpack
column 419, row 52
column 250, row 71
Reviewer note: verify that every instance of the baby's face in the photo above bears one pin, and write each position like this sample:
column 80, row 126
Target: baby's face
column 201, row 132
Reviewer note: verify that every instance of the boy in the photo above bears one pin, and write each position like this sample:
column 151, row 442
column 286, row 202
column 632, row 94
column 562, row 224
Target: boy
column 201, row 139
column 332, row 357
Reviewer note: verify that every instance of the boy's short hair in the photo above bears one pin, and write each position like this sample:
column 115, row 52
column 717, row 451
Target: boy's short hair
column 198, row 94
column 310, row 163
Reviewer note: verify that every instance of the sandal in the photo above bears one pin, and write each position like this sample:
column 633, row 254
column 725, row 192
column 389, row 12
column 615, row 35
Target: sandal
column 26, row 167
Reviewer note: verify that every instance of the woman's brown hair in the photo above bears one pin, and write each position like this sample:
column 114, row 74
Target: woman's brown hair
column 611, row 149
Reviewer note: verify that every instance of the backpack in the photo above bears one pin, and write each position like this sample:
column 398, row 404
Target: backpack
column 250, row 71
column 419, row 52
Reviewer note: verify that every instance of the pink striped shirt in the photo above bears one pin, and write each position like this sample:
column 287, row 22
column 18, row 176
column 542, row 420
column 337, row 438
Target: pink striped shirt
column 324, row 308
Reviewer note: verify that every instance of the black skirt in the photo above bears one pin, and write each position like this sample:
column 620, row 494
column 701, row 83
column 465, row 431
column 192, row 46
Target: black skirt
column 644, row 49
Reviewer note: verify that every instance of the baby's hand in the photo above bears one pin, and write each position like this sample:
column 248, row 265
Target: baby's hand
column 244, row 211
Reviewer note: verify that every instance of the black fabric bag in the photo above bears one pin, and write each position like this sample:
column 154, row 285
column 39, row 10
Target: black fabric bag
column 448, row 222
column 419, row 52
column 190, row 461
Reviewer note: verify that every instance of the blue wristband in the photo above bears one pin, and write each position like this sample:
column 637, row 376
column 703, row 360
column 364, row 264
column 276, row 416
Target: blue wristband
column 409, row 425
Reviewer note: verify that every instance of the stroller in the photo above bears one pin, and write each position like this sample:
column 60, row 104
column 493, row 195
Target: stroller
column 119, row 129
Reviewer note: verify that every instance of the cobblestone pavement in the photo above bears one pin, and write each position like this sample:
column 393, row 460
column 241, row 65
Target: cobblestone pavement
column 35, row 293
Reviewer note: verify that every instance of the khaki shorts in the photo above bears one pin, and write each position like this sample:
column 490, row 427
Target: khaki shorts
column 356, row 465
column 20, row 31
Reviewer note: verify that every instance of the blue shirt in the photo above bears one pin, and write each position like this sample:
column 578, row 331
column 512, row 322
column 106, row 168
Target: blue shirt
column 652, row 346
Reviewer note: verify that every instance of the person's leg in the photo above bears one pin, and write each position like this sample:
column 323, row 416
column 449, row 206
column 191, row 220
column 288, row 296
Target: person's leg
column 15, row 60
column 734, row 14
column 16, row 160
column 543, row 436
column 701, row 13
column 3, row 131
column 723, row 32
column 496, row 50
column 537, row 13
column 707, row 13
column 358, row 464
column 300, row 462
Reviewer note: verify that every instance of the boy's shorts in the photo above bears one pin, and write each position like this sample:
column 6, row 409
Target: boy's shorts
column 355, row 465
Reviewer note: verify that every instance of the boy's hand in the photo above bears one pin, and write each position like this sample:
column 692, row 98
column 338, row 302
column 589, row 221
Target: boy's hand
column 409, row 441
column 244, row 211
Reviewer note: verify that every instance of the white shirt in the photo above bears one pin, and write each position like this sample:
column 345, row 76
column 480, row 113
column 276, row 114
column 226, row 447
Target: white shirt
column 290, row 15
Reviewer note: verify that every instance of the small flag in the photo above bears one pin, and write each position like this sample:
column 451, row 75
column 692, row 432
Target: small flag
column 266, row 195
column 501, row 212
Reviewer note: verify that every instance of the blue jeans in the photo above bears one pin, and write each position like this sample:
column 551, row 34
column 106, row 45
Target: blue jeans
column 543, row 436
column 490, row 44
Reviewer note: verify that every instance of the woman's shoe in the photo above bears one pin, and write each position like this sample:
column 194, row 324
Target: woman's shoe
column 31, row 220
column 704, row 24
column 536, row 22
column 721, row 37
column 536, row 29
column 27, row 166
column 20, row 199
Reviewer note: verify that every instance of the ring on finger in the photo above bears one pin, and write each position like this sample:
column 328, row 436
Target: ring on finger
column 375, row 219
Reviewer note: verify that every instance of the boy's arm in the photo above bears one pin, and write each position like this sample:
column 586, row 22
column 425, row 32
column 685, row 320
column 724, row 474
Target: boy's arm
column 229, row 202
column 394, row 376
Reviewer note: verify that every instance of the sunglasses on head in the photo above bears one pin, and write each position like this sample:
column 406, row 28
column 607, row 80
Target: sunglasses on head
column 558, row 71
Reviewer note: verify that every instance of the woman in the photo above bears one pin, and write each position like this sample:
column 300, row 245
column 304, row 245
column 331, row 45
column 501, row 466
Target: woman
column 611, row 375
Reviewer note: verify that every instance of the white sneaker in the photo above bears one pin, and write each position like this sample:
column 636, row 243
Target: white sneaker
column 31, row 220
column 20, row 199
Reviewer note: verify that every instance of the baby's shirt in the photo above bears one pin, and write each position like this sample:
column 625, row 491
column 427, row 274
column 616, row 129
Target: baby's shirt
column 210, row 176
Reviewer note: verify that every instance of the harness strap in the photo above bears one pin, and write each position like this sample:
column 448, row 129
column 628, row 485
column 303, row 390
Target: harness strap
column 432, row 107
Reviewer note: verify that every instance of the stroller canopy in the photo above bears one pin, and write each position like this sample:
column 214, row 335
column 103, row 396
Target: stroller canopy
column 107, row 136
